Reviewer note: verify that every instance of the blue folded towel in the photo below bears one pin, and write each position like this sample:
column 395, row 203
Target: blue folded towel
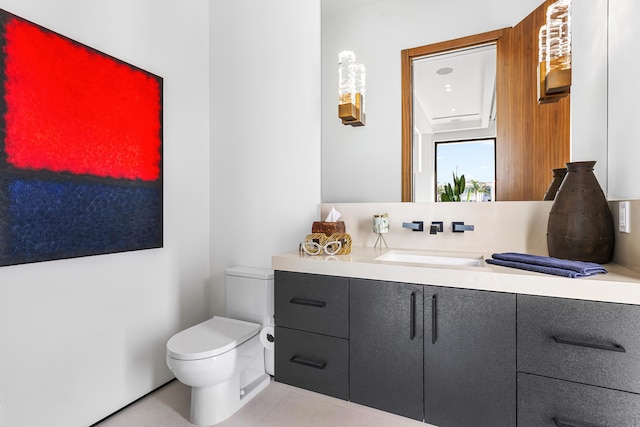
column 545, row 264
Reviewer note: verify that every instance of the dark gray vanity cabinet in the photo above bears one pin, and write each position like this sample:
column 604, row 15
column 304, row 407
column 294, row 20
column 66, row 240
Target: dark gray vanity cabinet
column 386, row 346
column 459, row 357
column 578, row 363
column 312, row 332
column 469, row 358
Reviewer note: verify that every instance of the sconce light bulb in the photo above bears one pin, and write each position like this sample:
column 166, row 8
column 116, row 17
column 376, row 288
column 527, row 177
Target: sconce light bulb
column 542, row 45
column 346, row 77
column 559, row 36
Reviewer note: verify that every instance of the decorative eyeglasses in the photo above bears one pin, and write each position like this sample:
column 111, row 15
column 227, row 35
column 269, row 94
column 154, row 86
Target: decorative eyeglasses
column 314, row 248
column 336, row 244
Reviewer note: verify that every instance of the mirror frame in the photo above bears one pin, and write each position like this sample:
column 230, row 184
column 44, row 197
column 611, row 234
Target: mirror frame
column 407, row 56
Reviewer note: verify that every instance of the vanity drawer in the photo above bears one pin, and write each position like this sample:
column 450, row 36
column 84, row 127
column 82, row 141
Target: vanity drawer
column 312, row 303
column 312, row 361
column 583, row 341
column 541, row 400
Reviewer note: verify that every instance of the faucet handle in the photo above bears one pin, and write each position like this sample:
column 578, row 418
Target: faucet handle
column 459, row 227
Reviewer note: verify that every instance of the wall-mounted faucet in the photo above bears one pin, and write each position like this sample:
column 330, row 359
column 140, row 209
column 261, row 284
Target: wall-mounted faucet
column 415, row 225
column 459, row 227
column 436, row 227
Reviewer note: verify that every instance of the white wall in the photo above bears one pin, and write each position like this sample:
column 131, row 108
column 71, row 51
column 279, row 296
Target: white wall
column 424, row 174
column 81, row 338
column 604, row 92
column 624, row 93
column 265, row 127
column 363, row 164
column 589, row 85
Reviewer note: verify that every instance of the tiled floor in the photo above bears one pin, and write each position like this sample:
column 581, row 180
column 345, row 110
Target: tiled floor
column 279, row 405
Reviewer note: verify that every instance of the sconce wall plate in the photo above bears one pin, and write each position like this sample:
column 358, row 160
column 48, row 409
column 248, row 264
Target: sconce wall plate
column 351, row 114
column 347, row 112
column 554, row 86
column 558, row 81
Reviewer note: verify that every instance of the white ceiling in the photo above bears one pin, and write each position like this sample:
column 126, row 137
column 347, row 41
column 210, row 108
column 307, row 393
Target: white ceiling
column 460, row 100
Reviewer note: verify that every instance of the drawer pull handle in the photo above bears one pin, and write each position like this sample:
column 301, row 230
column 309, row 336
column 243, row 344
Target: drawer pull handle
column 609, row 347
column 308, row 362
column 434, row 319
column 308, row 302
column 561, row 423
column 412, row 329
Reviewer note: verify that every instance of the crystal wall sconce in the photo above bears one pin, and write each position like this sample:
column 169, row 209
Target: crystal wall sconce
column 554, row 53
column 351, row 89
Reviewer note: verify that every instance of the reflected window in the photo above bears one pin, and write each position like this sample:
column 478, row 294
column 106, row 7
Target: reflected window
column 475, row 159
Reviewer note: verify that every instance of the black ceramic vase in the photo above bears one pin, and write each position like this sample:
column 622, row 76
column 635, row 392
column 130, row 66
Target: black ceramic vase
column 580, row 223
column 558, row 177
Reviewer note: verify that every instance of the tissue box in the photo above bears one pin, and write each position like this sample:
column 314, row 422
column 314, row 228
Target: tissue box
column 328, row 228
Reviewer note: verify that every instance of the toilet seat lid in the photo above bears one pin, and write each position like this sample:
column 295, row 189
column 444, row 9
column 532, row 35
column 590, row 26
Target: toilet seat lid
column 210, row 338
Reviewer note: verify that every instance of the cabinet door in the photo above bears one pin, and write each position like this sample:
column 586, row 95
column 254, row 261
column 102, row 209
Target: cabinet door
column 469, row 358
column 385, row 348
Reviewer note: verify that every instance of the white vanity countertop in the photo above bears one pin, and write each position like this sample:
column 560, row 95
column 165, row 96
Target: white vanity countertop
column 619, row 285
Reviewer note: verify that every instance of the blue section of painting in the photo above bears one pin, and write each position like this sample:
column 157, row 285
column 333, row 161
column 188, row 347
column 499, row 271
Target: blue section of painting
column 46, row 220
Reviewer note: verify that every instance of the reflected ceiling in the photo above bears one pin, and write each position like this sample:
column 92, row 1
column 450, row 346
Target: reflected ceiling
column 455, row 91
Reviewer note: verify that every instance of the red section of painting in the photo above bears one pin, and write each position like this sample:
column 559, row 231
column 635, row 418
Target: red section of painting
column 71, row 109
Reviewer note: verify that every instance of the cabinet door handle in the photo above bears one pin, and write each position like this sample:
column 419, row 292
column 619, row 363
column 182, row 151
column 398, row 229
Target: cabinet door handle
column 308, row 302
column 561, row 423
column 609, row 347
column 308, row 362
column 412, row 332
column 434, row 319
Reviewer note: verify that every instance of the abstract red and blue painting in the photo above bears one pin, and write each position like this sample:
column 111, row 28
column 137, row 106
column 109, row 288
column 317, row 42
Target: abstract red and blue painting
column 80, row 149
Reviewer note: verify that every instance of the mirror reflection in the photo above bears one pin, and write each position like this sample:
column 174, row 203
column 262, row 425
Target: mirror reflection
column 453, row 107
column 382, row 30
column 532, row 138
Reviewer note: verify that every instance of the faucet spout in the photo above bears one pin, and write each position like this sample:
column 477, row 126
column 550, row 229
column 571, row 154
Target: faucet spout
column 459, row 227
column 415, row 225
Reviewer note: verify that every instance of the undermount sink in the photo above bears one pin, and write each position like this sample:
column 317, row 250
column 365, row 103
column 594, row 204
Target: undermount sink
column 429, row 259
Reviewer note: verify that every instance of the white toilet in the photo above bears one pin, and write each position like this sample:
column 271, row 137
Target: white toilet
column 223, row 359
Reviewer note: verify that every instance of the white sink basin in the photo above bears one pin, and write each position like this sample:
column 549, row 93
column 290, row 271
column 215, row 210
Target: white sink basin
column 429, row 259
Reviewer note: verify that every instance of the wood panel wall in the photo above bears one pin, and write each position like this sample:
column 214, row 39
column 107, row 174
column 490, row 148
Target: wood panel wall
column 532, row 138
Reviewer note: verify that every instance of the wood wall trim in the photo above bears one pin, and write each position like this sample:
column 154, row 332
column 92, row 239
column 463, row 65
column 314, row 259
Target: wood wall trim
column 407, row 131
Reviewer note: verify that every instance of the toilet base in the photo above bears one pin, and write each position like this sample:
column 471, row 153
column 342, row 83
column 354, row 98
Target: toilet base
column 212, row 405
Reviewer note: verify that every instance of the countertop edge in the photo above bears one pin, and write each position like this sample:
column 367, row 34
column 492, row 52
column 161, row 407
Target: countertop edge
column 618, row 286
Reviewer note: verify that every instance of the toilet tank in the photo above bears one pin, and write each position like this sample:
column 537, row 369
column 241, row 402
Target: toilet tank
column 249, row 294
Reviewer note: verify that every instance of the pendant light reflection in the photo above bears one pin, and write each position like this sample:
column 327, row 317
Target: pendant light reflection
column 351, row 89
